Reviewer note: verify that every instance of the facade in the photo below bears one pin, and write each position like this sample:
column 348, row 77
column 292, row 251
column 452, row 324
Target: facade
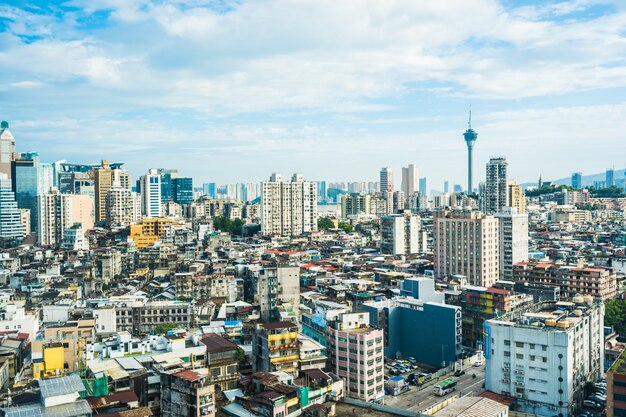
column 222, row 361
column 57, row 212
column 386, row 180
column 402, row 234
column 467, row 243
column 474, row 406
column 276, row 347
column 546, row 358
column 609, row 178
column 410, row 180
column 7, row 149
column 577, row 180
column 151, row 194
column 571, row 280
column 288, row 208
column 148, row 231
column 182, row 190
column 355, row 353
column 139, row 318
column 74, row 238
column 354, row 204
column 616, row 388
column 496, row 190
column 11, row 227
column 30, row 178
column 513, row 229
column 123, row 206
column 405, row 323
column 104, row 178
column 516, row 197
column 276, row 286
column 187, row 393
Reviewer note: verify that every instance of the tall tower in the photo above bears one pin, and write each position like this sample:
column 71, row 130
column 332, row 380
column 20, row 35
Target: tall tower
column 386, row 180
column 470, row 137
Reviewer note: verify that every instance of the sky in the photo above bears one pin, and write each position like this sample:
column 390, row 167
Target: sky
column 231, row 91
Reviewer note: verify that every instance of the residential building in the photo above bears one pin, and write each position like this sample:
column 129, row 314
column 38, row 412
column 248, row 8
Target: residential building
column 74, row 238
column 104, row 178
column 276, row 347
column 288, row 208
column 187, row 393
column 123, row 206
column 516, row 197
column 571, row 216
column 513, row 229
column 571, row 280
column 474, row 406
column 402, row 234
column 467, row 243
column 276, row 286
column 148, row 231
column 11, row 227
column 140, row 317
column 222, row 361
column 410, row 180
column 496, row 190
column 405, row 321
column 386, row 180
column 151, row 194
column 355, row 353
column 354, row 204
column 7, row 149
column 616, row 388
column 57, row 212
column 546, row 358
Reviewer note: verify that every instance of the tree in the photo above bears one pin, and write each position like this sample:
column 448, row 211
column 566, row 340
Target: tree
column 608, row 192
column 164, row 328
column 237, row 227
column 241, row 355
column 325, row 223
column 346, row 227
column 615, row 315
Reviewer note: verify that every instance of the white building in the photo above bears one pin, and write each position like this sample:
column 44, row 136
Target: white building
column 74, row 238
column 14, row 318
column 386, row 180
column 513, row 240
column 151, row 194
column 546, row 358
column 288, row 208
column 467, row 242
column 123, row 206
column 496, row 188
column 402, row 234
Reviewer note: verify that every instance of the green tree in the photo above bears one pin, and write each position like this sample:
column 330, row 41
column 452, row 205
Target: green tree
column 346, row 227
column 164, row 328
column 325, row 223
column 615, row 315
column 608, row 192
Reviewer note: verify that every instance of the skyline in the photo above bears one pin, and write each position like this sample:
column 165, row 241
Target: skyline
column 231, row 91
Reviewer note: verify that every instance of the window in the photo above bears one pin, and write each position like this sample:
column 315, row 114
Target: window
column 519, row 344
column 507, row 343
column 519, row 356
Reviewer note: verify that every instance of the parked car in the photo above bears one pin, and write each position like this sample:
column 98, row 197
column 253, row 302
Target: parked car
column 459, row 373
column 479, row 363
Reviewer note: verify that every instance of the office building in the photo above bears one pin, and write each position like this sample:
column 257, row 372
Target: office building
column 406, row 321
column 11, row 227
column 167, row 187
column 210, row 189
column 410, row 180
column 386, row 180
column 7, row 149
column 496, row 190
column 446, row 187
column 288, row 207
column 424, row 190
column 355, row 354
column 182, row 190
column 104, row 177
column 275, row 347
column 470, row 137
column 513, row 229
column 516, row 197
column 571, row 280
column 151, row 194
column 278, row 286
column 609, row 180
column 616, row 388
column 467, row 243
column 30, row 178
column 322, row 190
column 577, row 180
column 402, row 234
column 354, row 204
column 546, row 358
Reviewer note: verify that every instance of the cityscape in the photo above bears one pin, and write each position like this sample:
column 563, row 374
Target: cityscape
column 161, row 269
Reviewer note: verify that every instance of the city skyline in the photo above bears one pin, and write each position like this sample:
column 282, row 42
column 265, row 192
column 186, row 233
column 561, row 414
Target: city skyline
column 223, row 86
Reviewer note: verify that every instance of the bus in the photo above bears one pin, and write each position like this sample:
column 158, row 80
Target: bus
column 445, row 387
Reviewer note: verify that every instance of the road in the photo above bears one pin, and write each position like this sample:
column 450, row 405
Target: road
column 420, row 398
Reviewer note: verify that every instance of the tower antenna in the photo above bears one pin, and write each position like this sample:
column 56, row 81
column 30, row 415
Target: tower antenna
column 469, row 122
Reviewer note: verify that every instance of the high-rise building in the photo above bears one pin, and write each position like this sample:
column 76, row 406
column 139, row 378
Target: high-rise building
column 513, row 240
column 167, row 186
column 467, row 243
column 11, row 227
column 424, row 190
column 577, row 180
column 103, row 180
column 57, row 212
column 609, row 180
column 470, row 137
column 386, row 180
column 151, row 194
column 398, row 202
column 495, row 196
column 457, row 188
column 410, row 180
column 182, row 190
column 278, row 287
column 210, row 189
column 355, row 353
column 446, row 187
column 7, row 149
column 30, row 178
column 546, row 358
column 322, row 191
column 516, row 197
column 123, row 206
column 402, row 234
column 355, row 204
column 288, row 207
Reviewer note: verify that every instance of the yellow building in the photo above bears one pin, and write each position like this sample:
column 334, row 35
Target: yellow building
column 517, row 198
column 148, row 231
column 57, row 350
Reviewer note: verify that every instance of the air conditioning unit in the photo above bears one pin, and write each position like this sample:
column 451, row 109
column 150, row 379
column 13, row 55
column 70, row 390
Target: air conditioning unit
column 519, row 395
column 519, row 384
column 506, row 381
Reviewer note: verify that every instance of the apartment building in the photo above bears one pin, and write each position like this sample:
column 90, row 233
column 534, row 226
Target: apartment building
column 355, row 353
column 187, row 393
column 288, row 207
column 139, row 317
column 223, row 361
column 513, row 230
column 616, row 388
column 402, row 234
column 276, row 286
column 276, row 347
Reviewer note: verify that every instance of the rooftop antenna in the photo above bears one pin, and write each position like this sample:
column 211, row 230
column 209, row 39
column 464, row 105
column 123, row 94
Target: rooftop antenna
column 469, row 122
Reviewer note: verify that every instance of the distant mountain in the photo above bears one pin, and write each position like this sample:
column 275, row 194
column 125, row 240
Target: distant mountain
column 588, row 180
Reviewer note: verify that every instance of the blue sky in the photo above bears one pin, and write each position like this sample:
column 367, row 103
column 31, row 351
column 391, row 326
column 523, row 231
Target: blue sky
column 230, row 91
